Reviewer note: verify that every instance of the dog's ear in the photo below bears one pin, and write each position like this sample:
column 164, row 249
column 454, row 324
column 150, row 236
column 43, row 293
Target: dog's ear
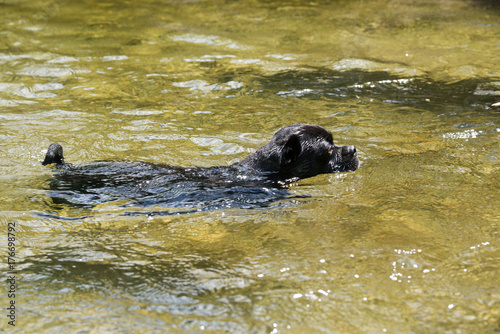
column 291, row 151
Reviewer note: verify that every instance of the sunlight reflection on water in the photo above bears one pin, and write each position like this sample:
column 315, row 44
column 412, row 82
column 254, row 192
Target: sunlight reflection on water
column 407, row 243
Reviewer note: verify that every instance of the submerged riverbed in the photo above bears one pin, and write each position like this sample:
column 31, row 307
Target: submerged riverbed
column 407, row 243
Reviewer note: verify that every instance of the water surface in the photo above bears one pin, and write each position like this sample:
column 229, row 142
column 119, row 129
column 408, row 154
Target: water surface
column 407, row 243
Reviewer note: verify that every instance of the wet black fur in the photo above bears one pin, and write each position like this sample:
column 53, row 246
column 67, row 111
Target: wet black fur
column 295, row 152
column 302, row 150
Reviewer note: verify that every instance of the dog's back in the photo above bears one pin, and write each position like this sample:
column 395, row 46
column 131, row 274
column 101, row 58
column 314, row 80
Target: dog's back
column 176, row 189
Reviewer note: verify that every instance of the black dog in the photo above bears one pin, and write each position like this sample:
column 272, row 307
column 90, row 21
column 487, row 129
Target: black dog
column 295, row 152
column 299, row 151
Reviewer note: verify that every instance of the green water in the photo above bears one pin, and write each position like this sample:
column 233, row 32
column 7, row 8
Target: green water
column 408, row 243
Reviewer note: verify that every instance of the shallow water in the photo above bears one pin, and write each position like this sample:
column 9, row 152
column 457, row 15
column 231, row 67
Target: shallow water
column 407, row 243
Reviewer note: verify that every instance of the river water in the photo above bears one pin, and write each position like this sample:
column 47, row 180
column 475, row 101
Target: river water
column 408, row 243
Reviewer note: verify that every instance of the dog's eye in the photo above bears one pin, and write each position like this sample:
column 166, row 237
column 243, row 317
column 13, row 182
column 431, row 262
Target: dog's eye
column 330, row 151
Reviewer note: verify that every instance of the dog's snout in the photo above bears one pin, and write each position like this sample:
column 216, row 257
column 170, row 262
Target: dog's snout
column 350, row 149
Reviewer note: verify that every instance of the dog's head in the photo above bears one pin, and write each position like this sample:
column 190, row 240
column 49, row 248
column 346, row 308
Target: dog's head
column 302, row 150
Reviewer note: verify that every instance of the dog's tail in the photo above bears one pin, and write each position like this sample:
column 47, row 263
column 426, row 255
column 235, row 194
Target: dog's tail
column 54, row 155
